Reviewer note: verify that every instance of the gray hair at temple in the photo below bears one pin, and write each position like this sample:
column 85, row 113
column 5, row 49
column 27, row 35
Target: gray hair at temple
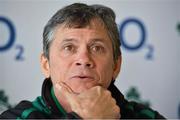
column 79, row 15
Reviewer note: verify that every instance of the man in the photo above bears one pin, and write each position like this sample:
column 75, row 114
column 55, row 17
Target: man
column 81, row 59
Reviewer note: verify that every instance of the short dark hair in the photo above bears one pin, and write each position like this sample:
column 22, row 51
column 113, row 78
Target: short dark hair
column 79, row 15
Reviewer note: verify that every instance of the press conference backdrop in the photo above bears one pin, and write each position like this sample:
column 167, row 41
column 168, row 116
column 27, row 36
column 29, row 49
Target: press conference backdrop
column 150, row 34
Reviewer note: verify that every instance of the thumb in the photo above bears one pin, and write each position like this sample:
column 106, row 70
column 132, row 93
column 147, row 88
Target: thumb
column 69, row 94
column 64, row 90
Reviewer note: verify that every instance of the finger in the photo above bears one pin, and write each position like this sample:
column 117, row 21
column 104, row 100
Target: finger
column 117, row 111
column 69, row 95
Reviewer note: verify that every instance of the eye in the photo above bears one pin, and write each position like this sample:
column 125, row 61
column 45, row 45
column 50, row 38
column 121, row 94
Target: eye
column 69, row 48
column 97, row 49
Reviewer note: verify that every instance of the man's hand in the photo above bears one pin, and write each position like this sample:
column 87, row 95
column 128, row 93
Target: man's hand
column 95, row 102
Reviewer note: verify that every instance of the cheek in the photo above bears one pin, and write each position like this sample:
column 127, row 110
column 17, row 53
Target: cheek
column 106, row 74
column 107, row 77
column 57, row 70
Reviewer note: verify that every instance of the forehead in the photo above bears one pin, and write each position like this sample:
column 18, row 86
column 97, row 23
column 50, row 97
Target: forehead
column 95, row 29
column 92, row 23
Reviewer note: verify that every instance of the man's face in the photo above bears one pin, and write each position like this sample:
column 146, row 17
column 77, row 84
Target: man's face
column 81, row 58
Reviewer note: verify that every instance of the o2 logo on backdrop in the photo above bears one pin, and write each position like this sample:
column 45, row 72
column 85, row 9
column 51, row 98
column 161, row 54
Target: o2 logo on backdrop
column 9, row 43
column 139, row 25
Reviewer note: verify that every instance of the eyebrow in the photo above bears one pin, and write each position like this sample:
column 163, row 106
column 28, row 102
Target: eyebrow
column 94, row 40
column 69, row 40
column 98, row 40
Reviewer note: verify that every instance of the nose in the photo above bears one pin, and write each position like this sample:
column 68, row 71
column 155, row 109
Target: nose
column 84, row 60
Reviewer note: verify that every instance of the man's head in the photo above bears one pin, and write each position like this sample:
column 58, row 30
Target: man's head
column 81, row 47
column 79, row 15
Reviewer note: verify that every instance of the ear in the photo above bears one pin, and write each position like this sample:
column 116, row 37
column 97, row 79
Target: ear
column 45, row 66
column 117, row 67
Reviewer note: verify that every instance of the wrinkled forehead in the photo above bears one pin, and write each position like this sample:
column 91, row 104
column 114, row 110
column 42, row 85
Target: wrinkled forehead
column 96, row 25
column 91, row 24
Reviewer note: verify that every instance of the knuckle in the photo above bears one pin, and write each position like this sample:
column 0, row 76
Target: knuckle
column 113, row 101
column 108, row 92
column 117, row 109
column 98, row 88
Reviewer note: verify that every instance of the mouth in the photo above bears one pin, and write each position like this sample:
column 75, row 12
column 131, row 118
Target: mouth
column 83, row 77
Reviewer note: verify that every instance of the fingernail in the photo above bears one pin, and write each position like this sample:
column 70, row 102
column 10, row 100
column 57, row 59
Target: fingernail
column 58, row 86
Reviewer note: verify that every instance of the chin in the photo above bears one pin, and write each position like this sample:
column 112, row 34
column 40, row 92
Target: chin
column 84, row 88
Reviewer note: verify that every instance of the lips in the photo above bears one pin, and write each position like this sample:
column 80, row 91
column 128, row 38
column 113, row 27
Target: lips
column 82, row 77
